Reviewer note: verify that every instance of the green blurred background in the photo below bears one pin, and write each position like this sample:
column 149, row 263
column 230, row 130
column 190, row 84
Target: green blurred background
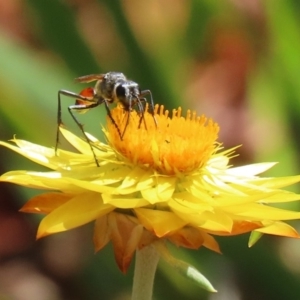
column 235, row 61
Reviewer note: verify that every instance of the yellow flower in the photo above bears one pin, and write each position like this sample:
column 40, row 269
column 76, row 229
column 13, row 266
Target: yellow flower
column 170, row 181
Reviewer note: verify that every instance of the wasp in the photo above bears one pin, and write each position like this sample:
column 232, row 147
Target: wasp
column 112, row 87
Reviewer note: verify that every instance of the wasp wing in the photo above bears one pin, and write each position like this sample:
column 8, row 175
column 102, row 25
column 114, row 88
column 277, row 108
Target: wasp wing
column 90, row 78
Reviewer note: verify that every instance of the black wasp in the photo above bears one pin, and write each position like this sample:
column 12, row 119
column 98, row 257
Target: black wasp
column 112, row 87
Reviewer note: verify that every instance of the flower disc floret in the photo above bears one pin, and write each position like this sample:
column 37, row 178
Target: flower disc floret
column 169, row 145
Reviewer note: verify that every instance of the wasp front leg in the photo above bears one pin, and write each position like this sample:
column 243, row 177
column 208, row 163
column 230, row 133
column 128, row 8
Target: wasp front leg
column 143, row 95
column 112, row 119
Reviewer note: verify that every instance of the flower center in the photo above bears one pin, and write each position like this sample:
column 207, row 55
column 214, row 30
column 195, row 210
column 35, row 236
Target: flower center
column 170, row 145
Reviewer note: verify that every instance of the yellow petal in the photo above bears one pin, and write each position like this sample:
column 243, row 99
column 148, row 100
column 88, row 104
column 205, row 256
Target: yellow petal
column 146, row 180
column 239, row 227
column 280, row 196
column 162, row 191
column 76, row 142
column 217, row 185
column 101, row 150
column 261, row 212
column 45, row 203
column 78, row 211
column 19, row 177
column 34, row 152
column 202, row 215
column 185, row 203
column 214, row 221
column 49, row 181
column 110, row 174
column 45, row 156
column 161, row 222
column 279, row 228
column 124, row 202
column 276, row 183
column 250, row 170
column 87, row 185
column 132, row 178
column 227, row 200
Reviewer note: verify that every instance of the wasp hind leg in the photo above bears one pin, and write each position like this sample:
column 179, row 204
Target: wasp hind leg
column 59, row 118
column 70, row 109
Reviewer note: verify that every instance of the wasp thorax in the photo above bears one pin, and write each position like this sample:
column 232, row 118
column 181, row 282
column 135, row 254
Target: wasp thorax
column 105, row 87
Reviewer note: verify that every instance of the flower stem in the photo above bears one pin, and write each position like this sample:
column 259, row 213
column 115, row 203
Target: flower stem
column 146, row 261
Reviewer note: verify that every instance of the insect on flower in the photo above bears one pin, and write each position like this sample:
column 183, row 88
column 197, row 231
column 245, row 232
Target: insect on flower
column 112, row 87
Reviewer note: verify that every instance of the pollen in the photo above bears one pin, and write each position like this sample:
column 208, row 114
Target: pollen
column 168, row 143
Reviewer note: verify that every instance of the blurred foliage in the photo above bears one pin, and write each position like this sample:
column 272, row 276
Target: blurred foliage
column 234, row 60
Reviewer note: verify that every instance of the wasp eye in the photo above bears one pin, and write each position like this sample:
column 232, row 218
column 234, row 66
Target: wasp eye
column 120, row 91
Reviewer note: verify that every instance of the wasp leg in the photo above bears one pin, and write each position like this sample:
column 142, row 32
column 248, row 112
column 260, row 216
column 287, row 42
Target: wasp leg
column 111, row 118
column 70, row 108
column 59, row 118
column 148, row 92
column 141, row 110
column 128, row 109
column 127, row 122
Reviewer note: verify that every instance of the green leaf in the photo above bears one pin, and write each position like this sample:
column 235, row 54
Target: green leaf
column 185, row 269
column 254, row 237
